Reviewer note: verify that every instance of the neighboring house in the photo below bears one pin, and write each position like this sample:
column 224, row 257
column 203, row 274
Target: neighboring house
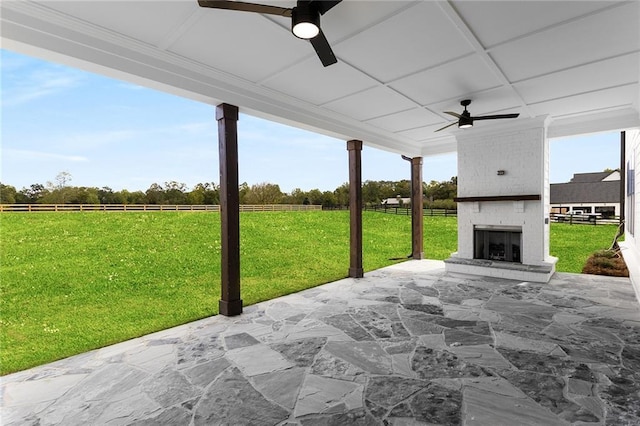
column 395, row 202
column 588, row 193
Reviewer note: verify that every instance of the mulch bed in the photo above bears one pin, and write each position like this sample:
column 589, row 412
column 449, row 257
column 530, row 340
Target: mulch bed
column 606, row 262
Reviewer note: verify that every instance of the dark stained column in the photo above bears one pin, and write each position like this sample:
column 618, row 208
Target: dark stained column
column 227, row 117
column 417, row 218
column 355, row 208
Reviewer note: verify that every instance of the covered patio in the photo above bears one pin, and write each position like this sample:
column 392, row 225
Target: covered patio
column 409, row 344
column 405, row 345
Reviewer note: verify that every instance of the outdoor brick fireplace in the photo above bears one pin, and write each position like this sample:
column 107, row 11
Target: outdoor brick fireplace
column 503, row 202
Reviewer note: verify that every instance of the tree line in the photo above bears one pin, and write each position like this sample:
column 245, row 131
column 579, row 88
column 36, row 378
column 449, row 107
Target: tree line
column 436, row 194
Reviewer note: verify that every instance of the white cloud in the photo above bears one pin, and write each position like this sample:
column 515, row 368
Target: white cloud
column 23, row 83
column 29, row 155
column 95, row 139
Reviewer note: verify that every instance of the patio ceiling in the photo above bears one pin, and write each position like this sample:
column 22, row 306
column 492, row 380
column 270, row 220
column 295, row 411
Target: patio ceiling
column 400, row 63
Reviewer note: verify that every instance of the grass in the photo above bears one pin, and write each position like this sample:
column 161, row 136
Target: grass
column 72, row 282
column 573, row 244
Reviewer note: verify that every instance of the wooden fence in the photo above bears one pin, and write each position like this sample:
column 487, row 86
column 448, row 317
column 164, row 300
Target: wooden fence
column 407, row 211
column 149, row 208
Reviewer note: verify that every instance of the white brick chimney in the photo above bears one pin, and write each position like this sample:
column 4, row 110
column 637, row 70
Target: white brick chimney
column 503, row 201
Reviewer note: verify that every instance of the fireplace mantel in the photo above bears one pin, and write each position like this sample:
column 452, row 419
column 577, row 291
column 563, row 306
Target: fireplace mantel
column 498, row 198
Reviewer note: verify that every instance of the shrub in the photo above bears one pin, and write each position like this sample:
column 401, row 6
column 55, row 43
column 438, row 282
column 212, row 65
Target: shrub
column 441, row 204
column 606, row 262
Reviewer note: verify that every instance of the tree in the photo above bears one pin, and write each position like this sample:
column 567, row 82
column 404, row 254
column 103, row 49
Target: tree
column 137, row 197
column 264, row 193
column 155, row 194
column 243, row 190
column 62, row 179
column 81, row 195
column 372, row 192
column 33, row 194
column 342, row 194
column 7, row 194
column 446, row 190
column 107, row 196
column 329, row 199
column 297, row 196
column 174, row 193
column 315, row 197
column 204, row 193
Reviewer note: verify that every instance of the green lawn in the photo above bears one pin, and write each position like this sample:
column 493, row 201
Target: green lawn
column 72, row 282
column 572, row 244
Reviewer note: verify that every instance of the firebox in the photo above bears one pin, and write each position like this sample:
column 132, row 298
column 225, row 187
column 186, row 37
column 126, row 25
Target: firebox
column 500, row 244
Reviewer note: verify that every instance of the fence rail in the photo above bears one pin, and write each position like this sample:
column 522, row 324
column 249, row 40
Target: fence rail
column 149, row 207
column 590, row 219
column 407, row 211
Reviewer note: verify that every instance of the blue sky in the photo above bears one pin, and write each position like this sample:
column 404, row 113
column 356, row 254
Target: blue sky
column 106, row 132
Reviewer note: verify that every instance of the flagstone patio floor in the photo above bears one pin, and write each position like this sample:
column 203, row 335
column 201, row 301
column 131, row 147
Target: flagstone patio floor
column 405, row 345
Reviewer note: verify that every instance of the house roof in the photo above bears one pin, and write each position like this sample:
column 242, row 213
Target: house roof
column 401, row 64
column 591, row 177
column 585, row 192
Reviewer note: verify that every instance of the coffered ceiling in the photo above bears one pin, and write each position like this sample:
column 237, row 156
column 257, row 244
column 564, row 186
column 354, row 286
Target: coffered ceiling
column 400, row 63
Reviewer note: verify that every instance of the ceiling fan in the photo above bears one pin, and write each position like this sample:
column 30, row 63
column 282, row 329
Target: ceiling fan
column 465, row 120
column 305, row 20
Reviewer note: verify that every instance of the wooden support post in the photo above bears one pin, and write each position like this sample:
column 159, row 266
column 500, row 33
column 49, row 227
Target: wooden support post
column 227, row 116
column 417, row 219
column 355, row 208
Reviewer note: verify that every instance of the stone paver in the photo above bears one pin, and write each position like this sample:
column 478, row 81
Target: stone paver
column 407, row 344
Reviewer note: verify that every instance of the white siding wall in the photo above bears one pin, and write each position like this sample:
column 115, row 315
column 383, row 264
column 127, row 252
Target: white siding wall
column 631, row 245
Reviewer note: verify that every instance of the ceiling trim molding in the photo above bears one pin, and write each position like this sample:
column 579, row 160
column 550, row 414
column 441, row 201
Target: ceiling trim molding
column 627, row 118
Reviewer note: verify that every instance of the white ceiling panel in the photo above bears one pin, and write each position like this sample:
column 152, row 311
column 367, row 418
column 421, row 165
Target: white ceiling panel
column 371, row 103
column 246, row 45
column 454, row 79
column 495, row 22
column 603, row 35
column 135, row 23
column 417, row 117
column 619, row 71
column 423, row 133
column 598, row 101
column 405, row 43
column 319, row 85
column 348, row 19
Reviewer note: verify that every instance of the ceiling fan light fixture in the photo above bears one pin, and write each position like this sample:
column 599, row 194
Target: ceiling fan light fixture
column 465, row 121
column 305, row 23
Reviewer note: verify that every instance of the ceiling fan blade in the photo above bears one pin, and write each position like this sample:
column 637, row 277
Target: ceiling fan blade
column 448, row 125
column 455, row 114
column 246, row 7
column 324, row 6
column 323, row 49
column 495, row 117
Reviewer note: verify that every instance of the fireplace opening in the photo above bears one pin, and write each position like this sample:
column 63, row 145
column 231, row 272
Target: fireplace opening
column 497, row 244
